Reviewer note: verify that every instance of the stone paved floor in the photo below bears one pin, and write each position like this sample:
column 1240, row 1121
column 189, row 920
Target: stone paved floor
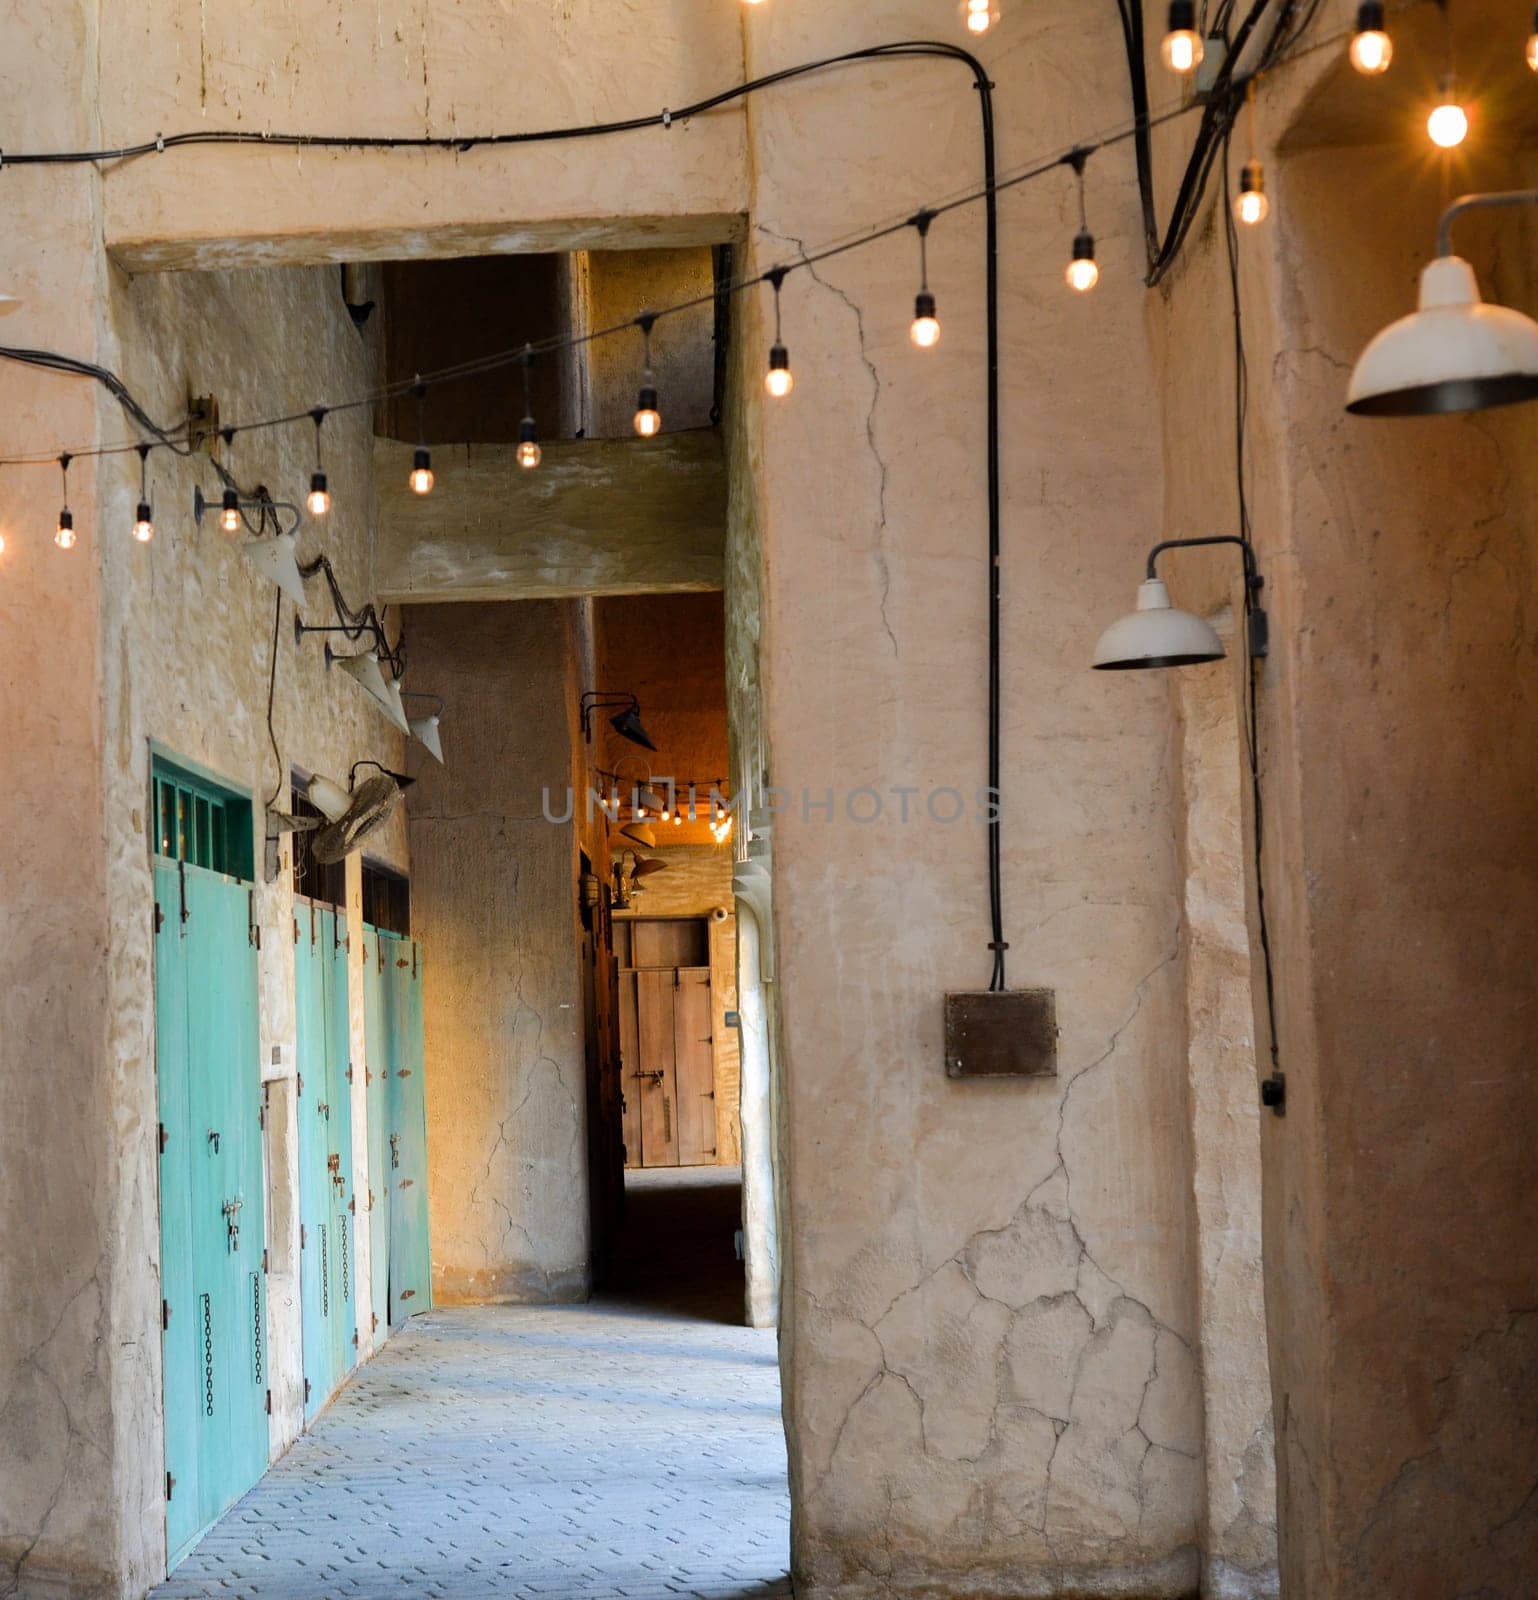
column 608, row 1450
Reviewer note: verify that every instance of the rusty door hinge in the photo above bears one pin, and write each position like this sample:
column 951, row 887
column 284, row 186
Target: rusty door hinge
column 163, row 1138
column 170, row 1485
column 348, row 1073
column 304, row 1237
column 296, row 930
column 265, row 1267
column 165, row 1315
column 160, row 917
column 299, row 1082
column 307, row 1391
column 269, row 1402
column 374, row 1322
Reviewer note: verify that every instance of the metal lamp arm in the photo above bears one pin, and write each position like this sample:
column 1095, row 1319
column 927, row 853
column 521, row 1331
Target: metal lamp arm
column 1478, row 202
column 1258, row 626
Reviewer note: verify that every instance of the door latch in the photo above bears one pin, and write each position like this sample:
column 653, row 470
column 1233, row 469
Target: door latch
column 395, row 1151
column 213, row 1140
column 232, row 1221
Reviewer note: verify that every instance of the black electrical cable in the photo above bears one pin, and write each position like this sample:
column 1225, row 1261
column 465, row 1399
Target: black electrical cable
column 1252, row 670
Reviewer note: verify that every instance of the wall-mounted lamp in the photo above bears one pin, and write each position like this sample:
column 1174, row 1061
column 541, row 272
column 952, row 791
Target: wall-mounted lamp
column 402, row 780
column 1158, row 634
column 427, row 730
column 626, row 722
column 1454, row 352
column 364, row 669
column 277, row 557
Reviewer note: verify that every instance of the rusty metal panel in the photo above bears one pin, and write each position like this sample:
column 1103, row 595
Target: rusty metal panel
column 1011, row 1035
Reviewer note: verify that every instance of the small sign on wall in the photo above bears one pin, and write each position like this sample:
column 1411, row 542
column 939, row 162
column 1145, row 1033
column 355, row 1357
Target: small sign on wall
column 1009, row 1035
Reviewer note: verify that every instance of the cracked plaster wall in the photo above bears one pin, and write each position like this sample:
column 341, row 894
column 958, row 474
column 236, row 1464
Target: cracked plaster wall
column 167, row 643
column 990, row 1335
column 494, row 892
column 1397, row 722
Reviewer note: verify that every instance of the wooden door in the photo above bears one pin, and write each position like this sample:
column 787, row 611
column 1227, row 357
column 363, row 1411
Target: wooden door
column 411, row 1287
column 694, row 1066
column 652, row 1077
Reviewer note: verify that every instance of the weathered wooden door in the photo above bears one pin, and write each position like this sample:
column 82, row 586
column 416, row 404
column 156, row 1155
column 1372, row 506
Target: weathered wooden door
column 324, row 1108
column 668, row 1052
column 208, row 1080
column 379, row 1046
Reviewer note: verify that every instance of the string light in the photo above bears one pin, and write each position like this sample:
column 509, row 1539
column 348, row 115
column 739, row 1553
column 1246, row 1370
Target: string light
column 229, row 501
column 529, row 453
column 144, row 521
column 779, row 380
column 925, row 330
column 318, row 500
column 64, row 534
column 1182, row 49
column 1371, row 47
column 1448, row 124
column 1250, row 204
column 421, row 476
column 1082, row 273
column 979, row 15
column 648, row 420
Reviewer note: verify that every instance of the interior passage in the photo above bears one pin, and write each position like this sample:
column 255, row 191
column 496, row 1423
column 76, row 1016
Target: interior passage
column 630, row 1447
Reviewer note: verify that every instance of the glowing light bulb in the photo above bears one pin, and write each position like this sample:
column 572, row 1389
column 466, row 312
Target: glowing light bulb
column 144, row 525
column 979, row 15
column 1182, row 49
column 1371, row 47
column 925, row 332
column 666, row 813
column 1250, row 204
column 1082, row 272
column 1532, row 46
column 229, row 511
column 421, row 479
column 1448, row 124
column 529, row 453
column 319, row 498
column 648, row 419
column 778, row 380
column 64, row 536
column 678, row 819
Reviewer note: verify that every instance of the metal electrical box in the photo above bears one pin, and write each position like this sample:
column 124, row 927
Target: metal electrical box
column 1009, row 1035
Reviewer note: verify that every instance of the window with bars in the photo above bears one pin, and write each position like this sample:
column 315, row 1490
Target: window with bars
column 324, row 882
column 386, row 899
column 198, row 822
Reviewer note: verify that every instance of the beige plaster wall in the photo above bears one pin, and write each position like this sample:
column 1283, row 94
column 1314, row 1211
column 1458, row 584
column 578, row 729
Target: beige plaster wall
column 494, row 890
column 989, row 1330
column 1396, row 718
column 185, row 627
column 476, row 68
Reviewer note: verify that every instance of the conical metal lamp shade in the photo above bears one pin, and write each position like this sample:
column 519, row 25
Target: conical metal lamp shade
column 640, row 833
column 628, row 726
column 277, row 559
column 1454, row 353
column 365, row 669
column 1156, row 635
column 397, row 705
column 426, row 732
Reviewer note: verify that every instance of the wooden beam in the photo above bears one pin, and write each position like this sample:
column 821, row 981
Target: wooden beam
column 598, row 516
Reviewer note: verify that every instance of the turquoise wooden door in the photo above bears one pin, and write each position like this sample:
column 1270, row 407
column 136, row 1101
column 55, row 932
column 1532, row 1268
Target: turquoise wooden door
column 326, row 1201
column 402, row 1271
column 379, row 1045
column 214, row 1310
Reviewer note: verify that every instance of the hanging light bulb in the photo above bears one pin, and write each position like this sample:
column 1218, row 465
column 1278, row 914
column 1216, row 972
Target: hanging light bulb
column 421, row 476
column 229, row 501
column 529, row 455
column 648, row 419
column 1371, row 47
column 979, row 15
column 1532, row 45
column 1448, row 124
column 925, row 328
column 144, row 521
column 1250, row 204
column 779, row 380
column 1082, row 272
column 1182, row 49
column 318, row 501
column 64, row 534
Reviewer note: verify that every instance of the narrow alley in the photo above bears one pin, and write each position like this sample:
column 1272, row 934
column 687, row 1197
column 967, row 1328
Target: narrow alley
column 629, row 1447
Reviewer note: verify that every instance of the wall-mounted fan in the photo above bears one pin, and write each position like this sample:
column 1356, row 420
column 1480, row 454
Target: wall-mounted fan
column 367, row 809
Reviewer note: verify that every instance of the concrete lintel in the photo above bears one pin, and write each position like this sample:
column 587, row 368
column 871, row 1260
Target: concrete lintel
column 230, row 248
column 599, row 516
